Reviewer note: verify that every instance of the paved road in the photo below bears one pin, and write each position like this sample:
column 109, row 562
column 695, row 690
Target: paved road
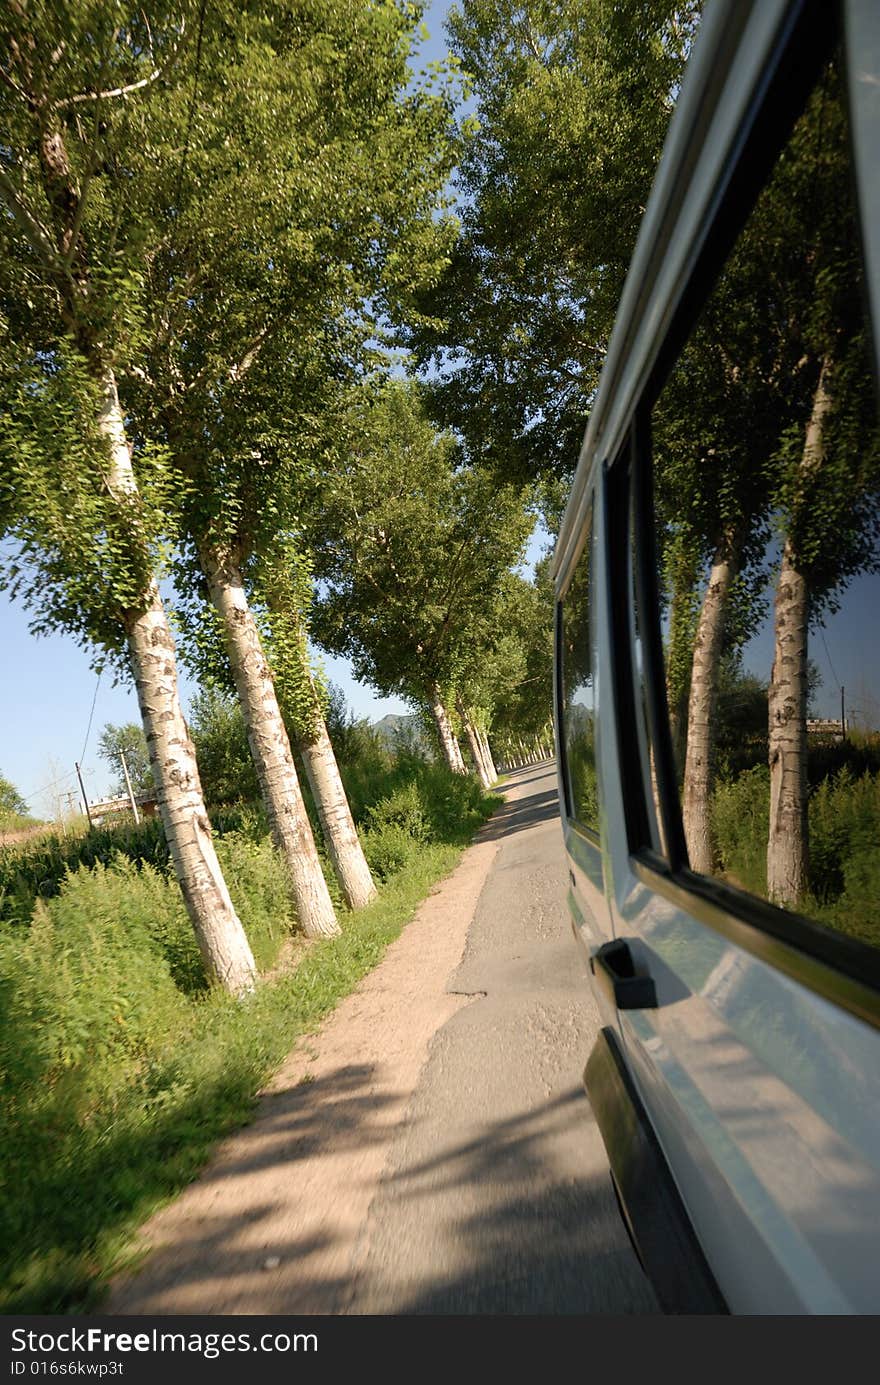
column 496, row 1196
column 430, row 1149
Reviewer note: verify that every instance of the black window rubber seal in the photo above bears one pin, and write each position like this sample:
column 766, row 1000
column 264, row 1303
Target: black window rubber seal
column 647, row 587
column 623, row 694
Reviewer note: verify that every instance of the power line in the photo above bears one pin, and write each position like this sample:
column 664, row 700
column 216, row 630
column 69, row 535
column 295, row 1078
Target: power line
column 828, row 657
column 46, row 787
column 82, row 754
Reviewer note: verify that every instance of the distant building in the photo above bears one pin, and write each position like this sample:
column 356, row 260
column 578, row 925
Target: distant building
column 109, row 808
column 826, row 726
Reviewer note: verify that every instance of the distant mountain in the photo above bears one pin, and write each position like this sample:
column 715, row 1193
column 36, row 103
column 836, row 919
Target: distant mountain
column 394, row 727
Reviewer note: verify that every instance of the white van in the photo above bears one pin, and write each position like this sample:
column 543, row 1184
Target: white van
column 718, row 680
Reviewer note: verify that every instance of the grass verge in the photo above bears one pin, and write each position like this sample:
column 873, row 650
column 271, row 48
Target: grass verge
column 85, row 1164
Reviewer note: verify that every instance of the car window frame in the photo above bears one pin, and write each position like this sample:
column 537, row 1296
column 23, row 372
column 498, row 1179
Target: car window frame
column 838, row 968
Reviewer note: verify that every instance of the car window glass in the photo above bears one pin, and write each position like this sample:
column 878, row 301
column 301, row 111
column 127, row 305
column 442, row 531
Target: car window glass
column 766, row 477
column 578, row 692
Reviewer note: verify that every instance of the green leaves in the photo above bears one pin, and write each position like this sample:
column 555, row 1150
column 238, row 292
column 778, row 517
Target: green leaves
column 572, row 107
column 410, row 553
column 84, row 557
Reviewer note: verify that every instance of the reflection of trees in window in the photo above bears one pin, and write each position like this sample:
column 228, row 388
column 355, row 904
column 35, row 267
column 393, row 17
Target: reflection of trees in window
column 767, row 478
column 579, row 694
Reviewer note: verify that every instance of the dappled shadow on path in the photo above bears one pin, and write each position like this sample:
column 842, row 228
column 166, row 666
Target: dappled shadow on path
column 521, row 1241
column 518, row 1240
column 251, row 1236
column 540, row 804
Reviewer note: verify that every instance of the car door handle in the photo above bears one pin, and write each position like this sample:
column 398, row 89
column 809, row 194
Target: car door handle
column 615, row 971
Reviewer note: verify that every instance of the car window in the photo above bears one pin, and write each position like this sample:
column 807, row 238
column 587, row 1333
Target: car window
column 578, row 700
column 766, row 485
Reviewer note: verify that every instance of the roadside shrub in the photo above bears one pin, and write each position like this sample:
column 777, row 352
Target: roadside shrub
column 88, row 990
column 740, row 814
column 367, row 767
column 388, row 849
column 36, row 870
column 257, row 881
column 405, row 808
column 844, row 820
column 844, row 856
column 226, row 766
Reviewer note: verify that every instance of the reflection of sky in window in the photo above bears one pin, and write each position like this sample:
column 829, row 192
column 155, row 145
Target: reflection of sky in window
column 582, row 696
column 846, row 650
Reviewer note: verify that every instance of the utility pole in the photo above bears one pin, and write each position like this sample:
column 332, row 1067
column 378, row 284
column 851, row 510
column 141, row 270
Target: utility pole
column 842, row 715
column 137, row 817
column 84, row 798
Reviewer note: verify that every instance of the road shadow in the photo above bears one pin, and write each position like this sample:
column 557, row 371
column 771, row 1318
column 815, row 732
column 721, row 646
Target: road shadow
column 537, row 1246
column 529, row 810
column 211, row 1251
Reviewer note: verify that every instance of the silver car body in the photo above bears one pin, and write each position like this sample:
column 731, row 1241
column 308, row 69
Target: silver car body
column 756, row 1072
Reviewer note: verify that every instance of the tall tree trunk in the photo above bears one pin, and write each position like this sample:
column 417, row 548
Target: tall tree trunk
column 336, row 816
column 269, row 744
column 488, row 759
column 337, row 823
column 683, row 617
column 474, row 743
column 226, row 953
column 702, row 702
column 448, row 740
column 305, row 714
column 225, row 950
column 787, row 840
column 788, row 847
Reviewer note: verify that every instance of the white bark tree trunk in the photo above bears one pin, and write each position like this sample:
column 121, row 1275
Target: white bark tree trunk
column 303, row 709
column 488, row 760
column 474, row 743
column 788, row 849
column 337, row 823
column 787, row 845
column 269, row 744
column 702, row 702
column 787, row 840
column 448, row 740
column 224, row 947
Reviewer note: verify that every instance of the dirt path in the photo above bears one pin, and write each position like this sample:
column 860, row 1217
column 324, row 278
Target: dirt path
column 430, row 1148
column 269, row 1226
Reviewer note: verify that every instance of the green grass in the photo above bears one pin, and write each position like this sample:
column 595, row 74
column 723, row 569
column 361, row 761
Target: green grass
column 844, row 827
column 119, row 1070
column 37, row 869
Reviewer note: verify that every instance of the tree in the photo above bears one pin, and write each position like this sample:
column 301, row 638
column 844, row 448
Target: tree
column 745, row 382
column 828, row 459
column 277, row 601
column 764, row 434
column 90, row 95
column 277, row 276
column 573, row 105
column 410, row 556
column 714, row 429
column 11, row 801
column 304, row 704
column 128, row 740
column 220, row 737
